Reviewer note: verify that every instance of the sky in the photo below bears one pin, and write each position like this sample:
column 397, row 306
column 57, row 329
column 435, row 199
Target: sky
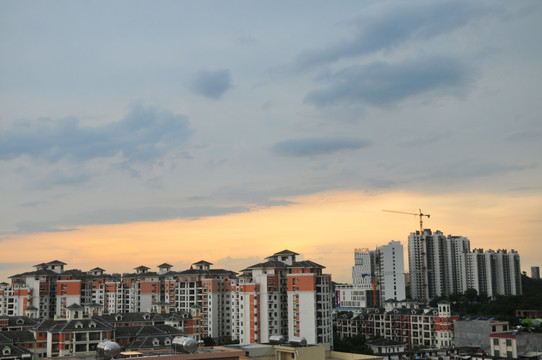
column 142, row 132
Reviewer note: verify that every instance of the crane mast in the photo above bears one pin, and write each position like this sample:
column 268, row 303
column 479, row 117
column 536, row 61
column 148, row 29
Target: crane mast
column 422, row 247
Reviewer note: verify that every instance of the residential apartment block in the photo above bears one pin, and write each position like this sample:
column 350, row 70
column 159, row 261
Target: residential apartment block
column 402, row 321
column 442, row 265
column 376, row 275
column 281, row 296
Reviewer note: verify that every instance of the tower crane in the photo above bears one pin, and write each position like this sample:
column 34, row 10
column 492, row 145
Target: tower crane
column 421, row 215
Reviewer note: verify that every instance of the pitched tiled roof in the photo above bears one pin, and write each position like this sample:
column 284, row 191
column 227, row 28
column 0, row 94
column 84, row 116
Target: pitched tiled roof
column 273, row 264
column 74, row 272
column 70, row 325
column 75, row 306
column 56, row 262
column 202, row 262
column 285, row 252
column 208, row 272
column 146, row 330
column 129, row 317
column 41, row 272
column 307, row 264
column 18, row 336
column 15, row 321
column 15, row 351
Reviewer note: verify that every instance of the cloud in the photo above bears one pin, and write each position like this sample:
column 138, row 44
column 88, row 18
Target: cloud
column 470, row 168
column 253, row 194
column 384, row 84
column 211, row 84
column 32, row 227
column 427, row 139
column 145, row 134
column 388, row 25
column 317, row 146
column 524, row 136
column 60, row 178
column 123, row 216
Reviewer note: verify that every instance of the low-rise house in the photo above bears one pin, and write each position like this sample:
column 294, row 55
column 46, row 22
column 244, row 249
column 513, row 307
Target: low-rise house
column 474, row 333
column 9, row 351
column 22, row 339
column 146, row 336
column 516, row 345
column 75, row 335
column 390, row 349
column 10, row 323
column 427, row 327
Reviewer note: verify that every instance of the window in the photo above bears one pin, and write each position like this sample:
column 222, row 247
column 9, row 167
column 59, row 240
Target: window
column 508, row 342
column 508, row 354
column 495, row 341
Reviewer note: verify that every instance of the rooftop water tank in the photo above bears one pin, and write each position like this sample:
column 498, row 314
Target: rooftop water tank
column 277, row 339
column 297, row 341
column 184, row 344
column 107, row 350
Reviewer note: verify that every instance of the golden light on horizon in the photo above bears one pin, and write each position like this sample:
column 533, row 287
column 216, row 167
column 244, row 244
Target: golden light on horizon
column 323, row 227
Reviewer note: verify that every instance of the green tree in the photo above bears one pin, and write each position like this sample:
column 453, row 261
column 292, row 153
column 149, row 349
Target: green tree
column 208, row 341
column 355, row 344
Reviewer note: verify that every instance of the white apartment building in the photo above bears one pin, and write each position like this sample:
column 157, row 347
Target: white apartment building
column 437, row 263
column 443, row 265
column 492, row 273
column 390, row 271
column 381, row 270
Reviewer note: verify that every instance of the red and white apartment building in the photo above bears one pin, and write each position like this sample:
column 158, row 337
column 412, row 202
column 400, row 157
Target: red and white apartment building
column 402, row 321
column 280, row 296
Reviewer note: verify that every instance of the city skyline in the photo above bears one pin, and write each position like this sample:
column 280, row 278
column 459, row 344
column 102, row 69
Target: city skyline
column 337, row 260
column 138, row 133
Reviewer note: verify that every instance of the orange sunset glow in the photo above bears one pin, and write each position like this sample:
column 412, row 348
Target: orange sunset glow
column 323, row 227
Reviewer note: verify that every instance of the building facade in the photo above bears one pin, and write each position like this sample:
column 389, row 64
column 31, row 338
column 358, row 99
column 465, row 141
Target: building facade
column 442, row 265
column 281, row 296
column 492, row 272
column 403, row 322
column 535, row 272
column 474, row 333
column 377, row 275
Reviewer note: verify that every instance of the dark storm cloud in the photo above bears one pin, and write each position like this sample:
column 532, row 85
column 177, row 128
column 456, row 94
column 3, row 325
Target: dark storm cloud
column 317, row 146
column 144, row 134
column 388, row 25
column 384, row 84
column 211, row 84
